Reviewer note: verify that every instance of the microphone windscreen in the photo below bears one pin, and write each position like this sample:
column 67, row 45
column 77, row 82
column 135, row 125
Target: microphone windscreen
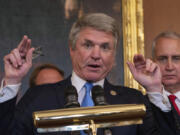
column 98, row 95
column 71, row 97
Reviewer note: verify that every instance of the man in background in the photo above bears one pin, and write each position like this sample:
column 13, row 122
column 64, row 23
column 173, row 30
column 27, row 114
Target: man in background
column 166, row 53
column 45, row 74
column 165, row 99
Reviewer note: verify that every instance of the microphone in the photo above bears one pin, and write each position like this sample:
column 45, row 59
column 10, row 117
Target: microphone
column 98, row 96
column 71, row 101
column 71, row 97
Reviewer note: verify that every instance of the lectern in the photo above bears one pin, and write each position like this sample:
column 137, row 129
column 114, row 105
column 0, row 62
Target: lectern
column 88, row 118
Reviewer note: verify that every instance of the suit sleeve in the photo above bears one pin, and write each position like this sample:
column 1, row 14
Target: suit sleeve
column 6, row 115
column 149, row 126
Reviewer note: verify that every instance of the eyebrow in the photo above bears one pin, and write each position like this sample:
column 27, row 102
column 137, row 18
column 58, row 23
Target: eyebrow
column 90, row 41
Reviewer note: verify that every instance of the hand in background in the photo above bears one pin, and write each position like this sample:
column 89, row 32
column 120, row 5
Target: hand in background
column 18, row 62
column 146, row 72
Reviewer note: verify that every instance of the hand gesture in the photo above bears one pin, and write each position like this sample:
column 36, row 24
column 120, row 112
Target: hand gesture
column 18, row 62
column 146, row 72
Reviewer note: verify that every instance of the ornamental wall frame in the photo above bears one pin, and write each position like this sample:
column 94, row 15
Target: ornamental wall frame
column 133, row 37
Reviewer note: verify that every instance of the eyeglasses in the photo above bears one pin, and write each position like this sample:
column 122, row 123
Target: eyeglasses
column 37, row 52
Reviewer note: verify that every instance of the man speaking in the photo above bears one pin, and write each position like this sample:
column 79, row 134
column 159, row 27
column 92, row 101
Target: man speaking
column 93, row 41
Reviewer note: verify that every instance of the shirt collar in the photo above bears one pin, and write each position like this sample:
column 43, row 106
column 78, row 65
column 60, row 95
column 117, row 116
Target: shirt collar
column 177, row 94
column 78, row 82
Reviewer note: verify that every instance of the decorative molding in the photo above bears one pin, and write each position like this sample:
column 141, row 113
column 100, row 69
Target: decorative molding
column 133, row 37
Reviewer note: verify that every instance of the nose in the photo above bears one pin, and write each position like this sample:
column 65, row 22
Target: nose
column 96, row 54
column 169, row 65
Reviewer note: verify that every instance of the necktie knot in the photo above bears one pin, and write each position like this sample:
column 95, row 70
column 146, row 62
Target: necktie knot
column 88, row 87
column 172, row 98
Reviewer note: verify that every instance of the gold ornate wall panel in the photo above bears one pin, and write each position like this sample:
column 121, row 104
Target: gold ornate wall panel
column 133, row 36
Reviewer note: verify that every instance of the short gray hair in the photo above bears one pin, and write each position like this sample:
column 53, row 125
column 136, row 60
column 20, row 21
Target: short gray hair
column 166, row 34
column 98, row 21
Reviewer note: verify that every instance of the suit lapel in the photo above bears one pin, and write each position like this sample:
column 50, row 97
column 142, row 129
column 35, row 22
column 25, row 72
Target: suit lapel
column 112, row 93
column 176, row 119
column 60, row 91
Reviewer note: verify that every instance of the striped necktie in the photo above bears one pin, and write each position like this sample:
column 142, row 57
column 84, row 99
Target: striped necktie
column 172, row 99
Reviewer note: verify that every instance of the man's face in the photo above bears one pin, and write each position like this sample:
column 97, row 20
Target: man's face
column 167, row 56
column 94, row 54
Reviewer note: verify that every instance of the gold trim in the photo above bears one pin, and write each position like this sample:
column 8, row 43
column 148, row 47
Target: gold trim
column 133, row 36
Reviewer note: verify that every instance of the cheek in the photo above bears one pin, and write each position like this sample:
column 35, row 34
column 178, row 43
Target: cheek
column 82, row 58
column 162, row 68
column 109, row 61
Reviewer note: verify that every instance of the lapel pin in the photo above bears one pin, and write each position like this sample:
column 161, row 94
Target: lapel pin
column 113, row 93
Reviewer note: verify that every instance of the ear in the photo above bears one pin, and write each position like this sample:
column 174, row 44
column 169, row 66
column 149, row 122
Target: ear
column 71, row 50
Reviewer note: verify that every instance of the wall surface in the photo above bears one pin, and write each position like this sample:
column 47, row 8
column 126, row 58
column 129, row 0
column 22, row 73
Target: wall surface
column 159, row 16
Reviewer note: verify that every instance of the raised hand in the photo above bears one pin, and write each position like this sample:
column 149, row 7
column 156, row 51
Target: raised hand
column 18, row 62
column 146, row 72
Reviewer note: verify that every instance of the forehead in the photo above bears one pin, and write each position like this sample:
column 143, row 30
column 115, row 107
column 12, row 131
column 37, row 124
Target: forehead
column 95, row 35
column 167, row 46
column 48, row 71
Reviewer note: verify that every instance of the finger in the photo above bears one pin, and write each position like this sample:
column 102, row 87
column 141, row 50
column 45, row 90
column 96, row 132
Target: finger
column 17, row 56
column 28, row 44
column 138, row 60
column 29, row 56
column 138, row 57
column 152, row 68
column 26, row 48
column 149, row 63
column 22, row 44
column 10, row 60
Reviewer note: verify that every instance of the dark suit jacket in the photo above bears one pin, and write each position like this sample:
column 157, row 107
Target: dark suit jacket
column 6, row 114
column 168, row 122
column 51, row 96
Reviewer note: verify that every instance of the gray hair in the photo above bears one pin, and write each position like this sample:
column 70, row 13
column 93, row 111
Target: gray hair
column 98, row 21
column 167, row 34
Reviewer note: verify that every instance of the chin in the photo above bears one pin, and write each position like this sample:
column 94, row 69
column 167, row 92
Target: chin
column 93, row 78
column 169, row 82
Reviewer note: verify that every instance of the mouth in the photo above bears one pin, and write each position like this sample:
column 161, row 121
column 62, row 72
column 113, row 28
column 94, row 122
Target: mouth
column 94, row 66
column 169, row 76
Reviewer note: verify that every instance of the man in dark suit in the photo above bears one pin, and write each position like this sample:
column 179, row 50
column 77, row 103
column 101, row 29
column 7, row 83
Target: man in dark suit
column 166, row 100
column 92, row 42
column 166, row 105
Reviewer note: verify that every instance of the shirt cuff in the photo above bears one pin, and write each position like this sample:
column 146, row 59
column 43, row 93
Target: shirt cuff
column 160, row 100
column 8, row 92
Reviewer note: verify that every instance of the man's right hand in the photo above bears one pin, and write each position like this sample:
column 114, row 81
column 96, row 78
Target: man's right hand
column 18, row 62
column 146, row 72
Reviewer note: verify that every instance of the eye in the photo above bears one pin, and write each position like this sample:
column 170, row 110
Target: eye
column 176, row 58
column 162, row 59
column 87, row 44
column 105, row 46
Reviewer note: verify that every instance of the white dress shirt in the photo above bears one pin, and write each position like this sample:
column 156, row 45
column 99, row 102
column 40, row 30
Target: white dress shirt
column 79, row 83
column 8, row 92
column 161, row 99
